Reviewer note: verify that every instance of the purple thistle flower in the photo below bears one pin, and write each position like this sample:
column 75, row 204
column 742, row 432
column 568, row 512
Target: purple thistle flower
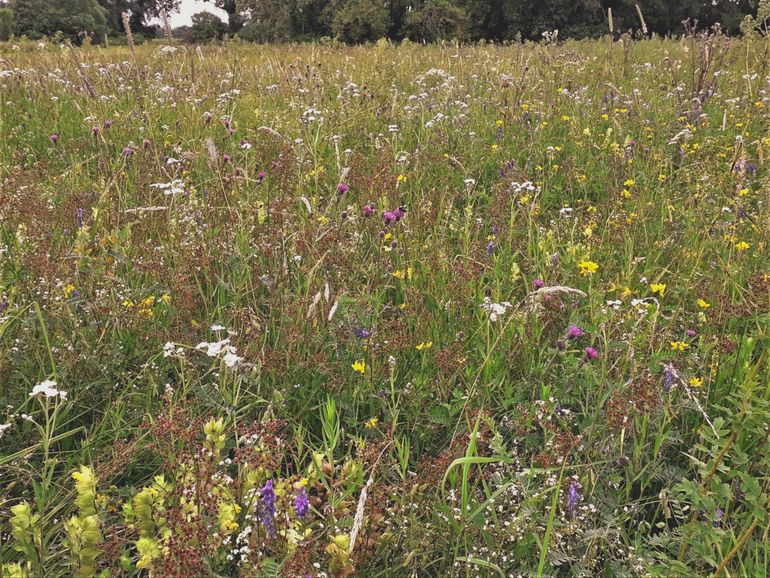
column 342, row 188
column 538, row 283
column 368, row 209
column 591, row 353
column 574, row 332
column 669, row 375
column 301, row 504
column 226, row 158
column 95, row 130
column 266, row 508
column 573, row 496
column 54, row 138
column 389, row 217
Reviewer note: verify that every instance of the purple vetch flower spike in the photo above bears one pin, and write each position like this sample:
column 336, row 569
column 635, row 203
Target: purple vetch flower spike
column 573, row 496
column 266, row 508
column 670, row 375
column 301, row 504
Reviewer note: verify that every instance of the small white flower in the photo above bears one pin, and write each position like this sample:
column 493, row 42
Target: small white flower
column 48, row 389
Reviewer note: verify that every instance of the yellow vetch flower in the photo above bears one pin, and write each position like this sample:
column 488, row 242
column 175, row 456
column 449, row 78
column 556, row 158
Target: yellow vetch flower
column 696, row 381
column 659, row 288
column 424, row 345
column 588, row 268
column 68, row 291
column 703, row 304
column 679, row 345
column 742, row 246
column 359, row 366
column 371, row 423
column 629, row 183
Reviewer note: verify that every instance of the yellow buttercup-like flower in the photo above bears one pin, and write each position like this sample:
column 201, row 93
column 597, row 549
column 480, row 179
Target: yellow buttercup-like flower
column 359, row 366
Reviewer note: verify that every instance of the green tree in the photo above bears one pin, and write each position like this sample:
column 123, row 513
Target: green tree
column 361, row 21
column 436, row 20
column 6, row 23
column 75, row 19
column 207, row 27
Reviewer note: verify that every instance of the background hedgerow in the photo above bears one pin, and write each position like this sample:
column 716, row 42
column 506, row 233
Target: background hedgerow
column 387, row 311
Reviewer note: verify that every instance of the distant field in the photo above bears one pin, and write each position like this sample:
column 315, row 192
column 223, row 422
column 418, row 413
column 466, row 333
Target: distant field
column 386, row 311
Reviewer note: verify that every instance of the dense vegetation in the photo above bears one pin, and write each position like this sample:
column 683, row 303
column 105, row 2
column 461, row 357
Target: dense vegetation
column 315, row 310
column 355, row 21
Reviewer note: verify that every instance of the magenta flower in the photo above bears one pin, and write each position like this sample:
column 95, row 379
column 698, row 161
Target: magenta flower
column 146, row 143
column 389, row 217
column 538, row 283
column 226, row 158
column 691, row 333
column 368, row 209
column 95, row 130
column 342, row 188
column 261, row 176
column 54, row 138
column 591, row 353
column 574, row 332
column 128, row 151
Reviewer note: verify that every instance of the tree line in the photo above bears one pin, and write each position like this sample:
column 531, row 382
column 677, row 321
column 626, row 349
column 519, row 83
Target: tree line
column 355, row 21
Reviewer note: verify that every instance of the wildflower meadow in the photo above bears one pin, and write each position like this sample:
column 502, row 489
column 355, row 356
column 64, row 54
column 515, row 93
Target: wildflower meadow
column 395, row 310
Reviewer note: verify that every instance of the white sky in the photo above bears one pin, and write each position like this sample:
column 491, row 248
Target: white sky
column 190, row 7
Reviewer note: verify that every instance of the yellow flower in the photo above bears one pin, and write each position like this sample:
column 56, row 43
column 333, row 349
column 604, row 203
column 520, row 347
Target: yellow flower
column 494, row 148
column 588, row 268
column 679, row 345
column 659, row 288
column 399, row 274
column 565, row 118
column 424, row 345
column 401, row 178
column 371, row 423
column 68, row 291
column 742, row 246
column 359, row 366
column 499, row 122
column 696, row 381
column 743, row 192
column 165, row 299
column 703, row 304
column 629, row 183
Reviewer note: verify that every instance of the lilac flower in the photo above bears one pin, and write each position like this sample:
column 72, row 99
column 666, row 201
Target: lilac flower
column 54, row 138
column 363, row 333
column 107, row 123
column 574, row 332
column 669, row 375
column 261, row 176
column 79, row 216
column 718, row 515
column 301, row 503
column 342, row 188
column 490, row 248
column 591, row 353
column 538, row 283
column 266, row 508
column 691, row 333
column 128, row 151
column 573, row 496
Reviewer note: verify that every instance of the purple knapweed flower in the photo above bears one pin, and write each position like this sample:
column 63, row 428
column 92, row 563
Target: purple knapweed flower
column 226, row 158
column 591, row 353
column 389, row 217
column 266, row 508
column 574, row 332
column 368, row 209
column 54, row 138
column 95, row 130
column 342, row 188
column 400, row 213
column 128, row 151
column 538, row 283
column 301, row 503
column 107, row 123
